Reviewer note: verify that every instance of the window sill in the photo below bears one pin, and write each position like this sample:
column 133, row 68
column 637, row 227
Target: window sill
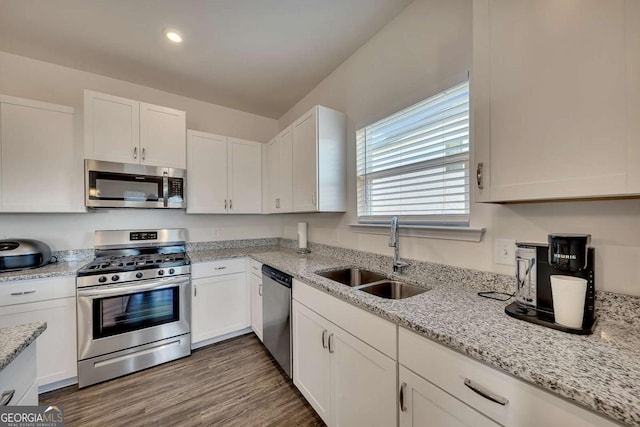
column 465, row 234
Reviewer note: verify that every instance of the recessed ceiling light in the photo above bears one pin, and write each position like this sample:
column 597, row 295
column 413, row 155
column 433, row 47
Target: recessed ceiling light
column 174, row 36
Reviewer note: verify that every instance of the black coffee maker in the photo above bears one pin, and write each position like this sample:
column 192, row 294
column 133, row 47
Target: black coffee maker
column 565, row 254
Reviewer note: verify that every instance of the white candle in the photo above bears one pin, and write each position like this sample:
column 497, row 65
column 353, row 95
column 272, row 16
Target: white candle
column 302, row 235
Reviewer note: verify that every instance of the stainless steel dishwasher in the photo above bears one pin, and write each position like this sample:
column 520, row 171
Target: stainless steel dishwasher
column 276, row 316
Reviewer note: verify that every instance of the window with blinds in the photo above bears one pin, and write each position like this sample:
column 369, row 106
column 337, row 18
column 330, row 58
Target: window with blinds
column 415, row 163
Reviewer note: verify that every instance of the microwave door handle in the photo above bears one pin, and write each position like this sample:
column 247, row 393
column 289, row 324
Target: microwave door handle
column 165, row 188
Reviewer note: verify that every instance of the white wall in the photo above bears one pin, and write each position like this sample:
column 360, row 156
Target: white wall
column 423, row 50
column 32, row 79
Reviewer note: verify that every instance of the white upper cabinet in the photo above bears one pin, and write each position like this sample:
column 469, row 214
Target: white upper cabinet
column 280, row 173
column 245, row 176
column 123, row 130
column 552, row 86
column 319, row 161
column 224, row 175
column 632, row 25
column 111, row 128
column 40, row 164
column 206, row 172
column 162, row 136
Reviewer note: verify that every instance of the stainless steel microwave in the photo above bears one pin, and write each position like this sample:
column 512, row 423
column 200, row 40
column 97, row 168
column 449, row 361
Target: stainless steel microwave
column 123, row 185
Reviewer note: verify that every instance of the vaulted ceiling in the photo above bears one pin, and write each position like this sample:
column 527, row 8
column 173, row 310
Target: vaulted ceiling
column 259, row 56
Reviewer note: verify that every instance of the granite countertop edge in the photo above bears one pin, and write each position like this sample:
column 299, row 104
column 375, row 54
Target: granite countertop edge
column 17, row 338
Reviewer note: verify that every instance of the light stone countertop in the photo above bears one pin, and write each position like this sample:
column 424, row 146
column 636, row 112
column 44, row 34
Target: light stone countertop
column 600, row 372
column 15, row 339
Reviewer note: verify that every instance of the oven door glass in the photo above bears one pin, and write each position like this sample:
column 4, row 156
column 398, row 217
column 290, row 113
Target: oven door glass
column 120, row 314
column 124, row 187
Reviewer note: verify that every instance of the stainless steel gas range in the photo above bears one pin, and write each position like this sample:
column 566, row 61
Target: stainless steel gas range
column 133, row 303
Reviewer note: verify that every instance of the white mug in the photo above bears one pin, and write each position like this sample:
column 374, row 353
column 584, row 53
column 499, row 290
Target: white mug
column 568, row 300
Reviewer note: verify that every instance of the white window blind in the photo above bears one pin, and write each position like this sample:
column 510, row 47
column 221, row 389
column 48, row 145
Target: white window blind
column 415, row 163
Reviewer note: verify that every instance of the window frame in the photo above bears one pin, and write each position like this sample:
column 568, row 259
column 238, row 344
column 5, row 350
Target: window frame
column 425, row 220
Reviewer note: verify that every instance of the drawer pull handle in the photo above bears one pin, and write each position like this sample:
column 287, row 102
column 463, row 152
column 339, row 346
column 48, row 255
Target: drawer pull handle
column 324, row 338
column 260, row 289
column 221, row 268
column 403, row 389
column 6, row 397
column 15, row 294
column 330, row 341
column 485, row 393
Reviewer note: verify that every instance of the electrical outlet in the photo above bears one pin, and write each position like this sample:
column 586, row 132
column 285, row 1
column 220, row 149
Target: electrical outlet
column 505, row 252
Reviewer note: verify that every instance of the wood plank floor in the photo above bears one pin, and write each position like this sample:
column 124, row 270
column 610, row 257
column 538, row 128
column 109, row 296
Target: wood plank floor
column 233, row 383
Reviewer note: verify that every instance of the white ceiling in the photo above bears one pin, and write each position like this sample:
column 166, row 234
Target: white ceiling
column 259, row 56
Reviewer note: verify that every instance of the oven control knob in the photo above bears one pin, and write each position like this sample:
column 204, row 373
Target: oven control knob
column 160, row 272
column 102, row 279
column 115, row 278
column 139, row 275
column 171, row 271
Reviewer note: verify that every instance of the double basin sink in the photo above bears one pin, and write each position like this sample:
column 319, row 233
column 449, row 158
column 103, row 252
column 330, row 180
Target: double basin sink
column 372, row 283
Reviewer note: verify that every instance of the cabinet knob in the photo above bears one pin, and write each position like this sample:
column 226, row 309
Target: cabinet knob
column 479, row 177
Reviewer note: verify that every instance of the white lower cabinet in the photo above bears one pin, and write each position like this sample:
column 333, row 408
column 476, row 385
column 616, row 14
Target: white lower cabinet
column 255, row 279
column 346, row 381
column 465, row 386
column 311, row 364
column 56, row 355
column 18, row 384
column 363, row 383
column 422, row 404
column 220, row 300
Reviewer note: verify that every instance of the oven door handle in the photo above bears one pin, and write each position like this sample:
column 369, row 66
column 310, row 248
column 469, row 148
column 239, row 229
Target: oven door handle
column 169, row 282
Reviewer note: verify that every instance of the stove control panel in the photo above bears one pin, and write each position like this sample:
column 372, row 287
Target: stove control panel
column 131, row 276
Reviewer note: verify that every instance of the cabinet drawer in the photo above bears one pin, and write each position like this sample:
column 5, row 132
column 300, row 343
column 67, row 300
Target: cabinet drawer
column 218, row 268
column 255, row 267
column 527, row 406
column 369, row 328
column 24, row 291
column 19, row 375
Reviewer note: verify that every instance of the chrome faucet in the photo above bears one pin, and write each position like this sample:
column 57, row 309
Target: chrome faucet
column 394, row 240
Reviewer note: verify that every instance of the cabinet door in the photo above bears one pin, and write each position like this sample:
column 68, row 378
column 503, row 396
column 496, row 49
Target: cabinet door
column 632, row 16
column 305, row 173
column 363, row 383
column 245, row 176
column 273, row 175
column 557, row 98
column 111, row 128
column 162, row 137
column 425, row 405
column 206, row 173
column 311, row 371
column 285, row 178
column 220, row 305
column 56, row 349
column 256, row 304
column 40, row 165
